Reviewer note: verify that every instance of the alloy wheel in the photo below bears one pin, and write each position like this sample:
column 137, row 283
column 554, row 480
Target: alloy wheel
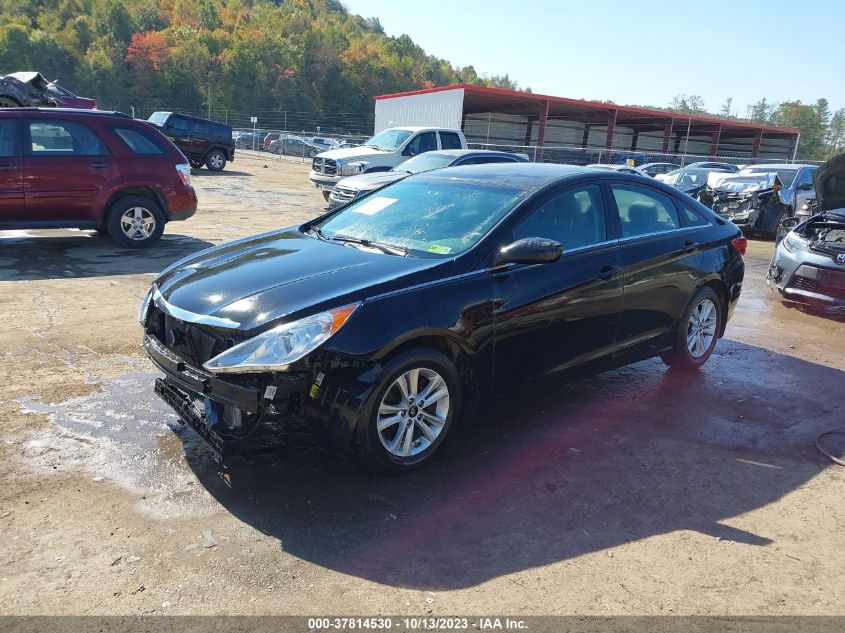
column 216, row 161
column 701, row 328
column 413, row 412
column 137, row 223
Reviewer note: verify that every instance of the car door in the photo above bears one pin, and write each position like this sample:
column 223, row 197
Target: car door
column 557, row 316
column 661, row 264
column 66, row 167
column 200, row 135
column 11, row 171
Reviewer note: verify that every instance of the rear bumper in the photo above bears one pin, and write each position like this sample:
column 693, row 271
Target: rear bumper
column 183, row 204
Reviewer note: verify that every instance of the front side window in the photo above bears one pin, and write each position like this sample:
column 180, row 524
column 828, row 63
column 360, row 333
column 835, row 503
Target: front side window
column 425, row 215
column 574, row 218
column 8, row 138
column 138, row 142
column 424, row 142
column 643, row 211
column 450, row 140
column 64, row 138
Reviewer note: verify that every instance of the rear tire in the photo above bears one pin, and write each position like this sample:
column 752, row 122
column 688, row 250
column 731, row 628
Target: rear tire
column 196, row 164
column 215, row 160
column 698, row 331
column 401, row 427
column 8, row 102
column 135, row 222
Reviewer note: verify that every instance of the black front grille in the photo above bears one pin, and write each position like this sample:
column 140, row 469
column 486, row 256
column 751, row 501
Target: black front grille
column 830, row 283
column 194, row 343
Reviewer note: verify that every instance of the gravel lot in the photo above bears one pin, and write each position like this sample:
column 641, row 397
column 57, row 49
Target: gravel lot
column 634, row 492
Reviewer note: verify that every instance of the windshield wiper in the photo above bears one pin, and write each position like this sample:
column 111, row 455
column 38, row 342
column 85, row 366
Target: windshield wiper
column 384, row 248
column 384, row 149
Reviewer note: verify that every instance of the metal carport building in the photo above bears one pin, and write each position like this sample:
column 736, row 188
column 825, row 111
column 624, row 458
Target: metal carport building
column 575, row 130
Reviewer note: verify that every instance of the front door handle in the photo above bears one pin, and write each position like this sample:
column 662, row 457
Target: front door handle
column 99, row 165
column 607, row 272
column 8, row 167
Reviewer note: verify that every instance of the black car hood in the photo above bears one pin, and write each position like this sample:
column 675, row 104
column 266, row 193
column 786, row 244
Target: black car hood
column 280, row 276
column 829, row 181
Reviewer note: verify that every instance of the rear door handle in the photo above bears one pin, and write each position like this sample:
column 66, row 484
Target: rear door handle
column 607, row 272
column 690, row 246
column 8, row 167
column 99, row 165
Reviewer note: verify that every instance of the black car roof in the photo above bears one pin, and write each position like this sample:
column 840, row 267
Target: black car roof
column 522, row 175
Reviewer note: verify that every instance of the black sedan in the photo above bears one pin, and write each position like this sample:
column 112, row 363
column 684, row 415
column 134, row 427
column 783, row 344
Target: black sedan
column 384, row 323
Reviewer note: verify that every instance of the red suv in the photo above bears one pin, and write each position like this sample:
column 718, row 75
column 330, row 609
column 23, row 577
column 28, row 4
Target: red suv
column 88, row 169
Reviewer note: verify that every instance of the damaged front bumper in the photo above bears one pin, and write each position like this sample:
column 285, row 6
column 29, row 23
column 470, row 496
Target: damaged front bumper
column 807, row 277
column 325, row 398
column 754, row 201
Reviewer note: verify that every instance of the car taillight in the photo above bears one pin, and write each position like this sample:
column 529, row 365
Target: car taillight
column 740, row 244
column 184, row 171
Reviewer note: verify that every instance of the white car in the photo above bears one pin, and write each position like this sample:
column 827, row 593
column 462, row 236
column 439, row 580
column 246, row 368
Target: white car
column 625, row 169
column 382, row 152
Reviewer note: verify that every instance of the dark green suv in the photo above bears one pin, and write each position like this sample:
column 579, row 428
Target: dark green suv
column 203, row 142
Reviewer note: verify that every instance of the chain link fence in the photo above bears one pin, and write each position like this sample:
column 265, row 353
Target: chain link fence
column 301, row 135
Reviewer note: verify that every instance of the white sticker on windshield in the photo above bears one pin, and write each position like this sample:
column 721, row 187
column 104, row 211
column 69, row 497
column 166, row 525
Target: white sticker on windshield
column 374, row 205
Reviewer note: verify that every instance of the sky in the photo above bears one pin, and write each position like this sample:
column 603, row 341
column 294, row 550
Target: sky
column 638, row 52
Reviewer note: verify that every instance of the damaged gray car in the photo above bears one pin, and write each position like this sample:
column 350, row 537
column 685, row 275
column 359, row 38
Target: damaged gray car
column 809, row 262
column 759, row 197
column 27, row 90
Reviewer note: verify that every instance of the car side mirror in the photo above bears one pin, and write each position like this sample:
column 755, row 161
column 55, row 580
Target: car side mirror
column 529, row 250
column 805, row 186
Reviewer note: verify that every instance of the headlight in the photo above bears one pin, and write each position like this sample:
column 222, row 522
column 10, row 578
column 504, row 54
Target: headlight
column 281, row 346
column 794, row 242
column 349, row 169
column 145, row 307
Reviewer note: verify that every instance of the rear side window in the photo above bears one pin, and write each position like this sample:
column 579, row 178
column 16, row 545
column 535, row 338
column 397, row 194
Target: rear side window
column 177, row 123
column 643, row 211
column 64, row 138
column 138, row 143
column 691, row 218
column 450, row 140
column 9, row 138
column 200, row 128
column 221, row 131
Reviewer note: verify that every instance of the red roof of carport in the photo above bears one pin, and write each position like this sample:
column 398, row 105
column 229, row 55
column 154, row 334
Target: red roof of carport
column 496, row 96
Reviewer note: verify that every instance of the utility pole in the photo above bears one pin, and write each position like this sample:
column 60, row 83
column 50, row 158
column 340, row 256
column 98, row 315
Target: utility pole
column 209, row 94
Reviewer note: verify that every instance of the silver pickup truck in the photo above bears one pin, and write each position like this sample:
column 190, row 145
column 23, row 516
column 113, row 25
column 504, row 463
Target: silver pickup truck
column 384, row 151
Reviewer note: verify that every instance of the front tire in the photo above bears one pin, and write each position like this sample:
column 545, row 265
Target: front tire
column 409, row 413
column 698, row 331
column 196, row 164
column 215, row 160
column 326, row 194
column 135, row 222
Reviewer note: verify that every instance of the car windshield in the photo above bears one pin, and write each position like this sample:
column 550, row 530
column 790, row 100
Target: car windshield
column 424, row 162
column 687, row 177
column 389, row 139
column 786, row 175
column 158, row 118
column 424, row 215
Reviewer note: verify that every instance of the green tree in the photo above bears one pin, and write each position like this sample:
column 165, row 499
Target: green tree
column 806, row 118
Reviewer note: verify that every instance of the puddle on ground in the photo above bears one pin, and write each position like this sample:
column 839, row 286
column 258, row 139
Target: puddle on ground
column 125, row 434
